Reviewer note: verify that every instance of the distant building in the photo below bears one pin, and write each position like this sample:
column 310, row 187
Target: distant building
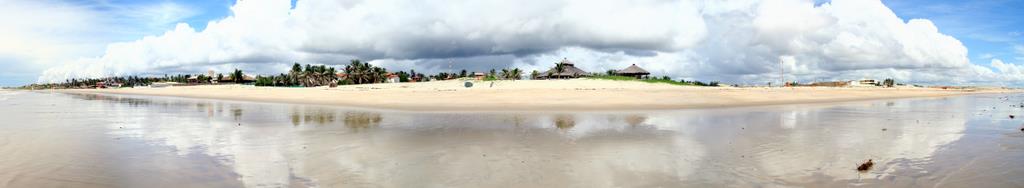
column 194, row 79
column 213, row 77
column 569, row 70
column 245, row 79
column 393, row 78
column 415, row 78
column 479, row 75
column 633, row 71
column 863, row 83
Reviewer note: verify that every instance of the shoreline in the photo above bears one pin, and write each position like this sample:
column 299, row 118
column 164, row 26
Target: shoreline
column 537, row 95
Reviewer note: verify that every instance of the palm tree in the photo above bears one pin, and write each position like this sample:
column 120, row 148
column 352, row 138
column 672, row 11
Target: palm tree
column 559, row 67
column 332, row 75
column 355, row 72
column 511, row 74
column 379, row 74
column 505, row 74
column 360, row 73
column 237, row 76
column 534, row 74
column 516, row 72
column 293, row 75
column 305, row 75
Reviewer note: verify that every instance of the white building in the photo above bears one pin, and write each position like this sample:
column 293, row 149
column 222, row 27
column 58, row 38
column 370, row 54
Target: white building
column 864, row 83
column 392, row 78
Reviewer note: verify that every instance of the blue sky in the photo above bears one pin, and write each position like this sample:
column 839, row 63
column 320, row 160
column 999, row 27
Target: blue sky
column 197, row 13
column 989, row 28
column 76, row 29
column 89, row 25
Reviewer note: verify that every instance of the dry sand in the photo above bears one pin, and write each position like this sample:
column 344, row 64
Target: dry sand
column 538, row 95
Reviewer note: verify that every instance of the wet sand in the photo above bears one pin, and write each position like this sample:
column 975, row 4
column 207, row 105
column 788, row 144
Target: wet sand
column 537, row 95
column 89, row 140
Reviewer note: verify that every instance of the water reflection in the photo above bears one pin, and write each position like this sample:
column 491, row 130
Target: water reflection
column 236, row 112
column 362, row 120
column 635, row 120
column 797, row 145
column 564, row 122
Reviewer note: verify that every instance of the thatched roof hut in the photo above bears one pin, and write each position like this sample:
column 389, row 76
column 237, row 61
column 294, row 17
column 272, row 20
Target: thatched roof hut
column 569, row 70
column 633, row 71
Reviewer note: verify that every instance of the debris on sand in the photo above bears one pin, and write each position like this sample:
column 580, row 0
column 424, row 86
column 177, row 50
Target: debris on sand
column 884, row 129
column 1011, row 117
column 866, row 166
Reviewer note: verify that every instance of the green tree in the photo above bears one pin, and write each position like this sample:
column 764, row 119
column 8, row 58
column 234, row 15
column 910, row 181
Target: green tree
column 362, row 73
column 559, row 68
column 237, row 76
column 889, row 82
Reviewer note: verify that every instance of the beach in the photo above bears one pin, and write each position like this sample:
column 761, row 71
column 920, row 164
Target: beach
column 98, row 140
column 538, row 95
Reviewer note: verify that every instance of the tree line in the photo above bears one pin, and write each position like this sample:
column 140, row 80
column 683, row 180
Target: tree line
column 356, row 72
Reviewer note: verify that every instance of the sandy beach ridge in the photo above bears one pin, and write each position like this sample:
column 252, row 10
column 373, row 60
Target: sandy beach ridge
column 538, row 95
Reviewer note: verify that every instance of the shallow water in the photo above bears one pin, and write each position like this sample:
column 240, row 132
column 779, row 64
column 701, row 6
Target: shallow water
column 62, row 140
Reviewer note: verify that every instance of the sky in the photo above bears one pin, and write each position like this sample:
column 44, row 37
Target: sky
column 734, row 41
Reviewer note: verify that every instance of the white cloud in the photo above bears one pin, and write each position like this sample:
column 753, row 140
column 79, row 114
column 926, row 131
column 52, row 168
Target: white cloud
column 45, row 36
column 733, row 41
column 36, row 35
column 1009, row 72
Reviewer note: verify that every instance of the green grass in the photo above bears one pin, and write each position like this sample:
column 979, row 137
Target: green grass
column 662, row 81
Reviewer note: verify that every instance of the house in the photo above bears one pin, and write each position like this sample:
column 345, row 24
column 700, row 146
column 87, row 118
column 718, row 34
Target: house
column 393, row 78
column 863, row 83
column 248, row 78
column 479, row 75
column 100, row 85
column 194, row 79
column 415, row 78
column 227, row 79
column 245, row 79
column 210, row 74
column 633, row 71
column 568, row 70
